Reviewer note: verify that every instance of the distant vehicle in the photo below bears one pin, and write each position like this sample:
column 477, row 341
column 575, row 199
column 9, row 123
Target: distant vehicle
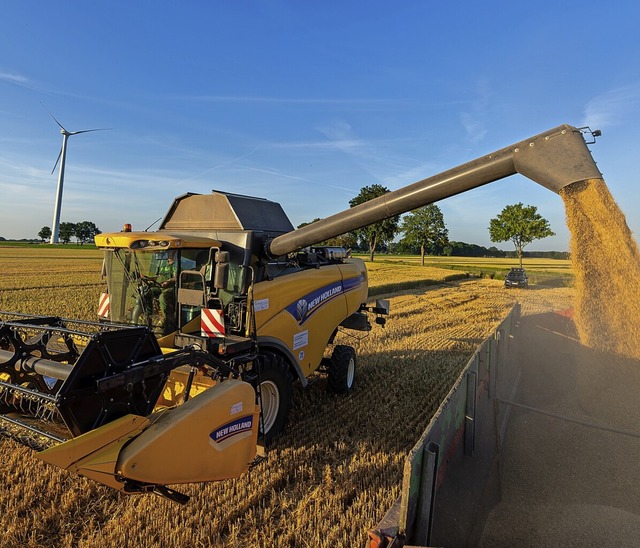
column 516, row 277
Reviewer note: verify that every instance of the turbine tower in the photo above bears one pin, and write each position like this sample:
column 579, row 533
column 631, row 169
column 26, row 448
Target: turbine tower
column 62, row 157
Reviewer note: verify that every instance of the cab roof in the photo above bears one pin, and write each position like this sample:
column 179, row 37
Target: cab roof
column 153, row 240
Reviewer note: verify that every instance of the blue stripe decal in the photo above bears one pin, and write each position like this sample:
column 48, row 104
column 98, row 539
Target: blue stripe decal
column 237, row 426
column 303, row 308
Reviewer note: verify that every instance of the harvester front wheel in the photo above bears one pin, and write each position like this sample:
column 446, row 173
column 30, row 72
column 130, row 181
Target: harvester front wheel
column 341, row 375
column 276, row 393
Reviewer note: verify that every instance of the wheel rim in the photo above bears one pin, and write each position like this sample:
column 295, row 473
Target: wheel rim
column 351, row 372
column 270, row 400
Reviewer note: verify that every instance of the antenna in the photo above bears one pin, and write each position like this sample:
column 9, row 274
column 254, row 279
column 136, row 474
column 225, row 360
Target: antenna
column 62, row 156
column 153, row 223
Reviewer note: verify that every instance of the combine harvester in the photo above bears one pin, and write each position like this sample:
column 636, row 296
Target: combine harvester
column 206, row 324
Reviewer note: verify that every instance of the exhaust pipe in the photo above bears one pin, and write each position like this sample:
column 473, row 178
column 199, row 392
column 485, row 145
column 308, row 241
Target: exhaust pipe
column 554, row 159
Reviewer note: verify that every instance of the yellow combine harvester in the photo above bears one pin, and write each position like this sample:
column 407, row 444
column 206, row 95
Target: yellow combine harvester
column 208, row 321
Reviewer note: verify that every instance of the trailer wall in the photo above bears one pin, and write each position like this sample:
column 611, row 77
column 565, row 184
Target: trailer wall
column 447, row 487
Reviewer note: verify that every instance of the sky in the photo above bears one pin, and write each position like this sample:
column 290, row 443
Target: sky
column 305, row 103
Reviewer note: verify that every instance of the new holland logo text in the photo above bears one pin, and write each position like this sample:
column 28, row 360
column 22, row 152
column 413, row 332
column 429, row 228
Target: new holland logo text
column 324, row 296
column 243, row 424
column 303, row 308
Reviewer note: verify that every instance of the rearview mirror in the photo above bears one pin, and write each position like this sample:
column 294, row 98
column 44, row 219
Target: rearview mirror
column 222, row 270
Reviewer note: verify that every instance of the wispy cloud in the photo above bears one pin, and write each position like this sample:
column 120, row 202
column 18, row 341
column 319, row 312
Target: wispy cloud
column 340, row 135
column 16, row 188
column 385, row 160
column 284, row 100
column 22, row 81
column 13, row 78
column 473, row 120
column 612, row 107
column 473, row 126
column 366, row 154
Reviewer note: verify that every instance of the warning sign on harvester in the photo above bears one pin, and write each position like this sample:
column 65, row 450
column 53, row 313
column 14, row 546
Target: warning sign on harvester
column 103, row 305
column 212, row 322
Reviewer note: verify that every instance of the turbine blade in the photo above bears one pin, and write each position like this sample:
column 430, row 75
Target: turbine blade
column 88, row 130
column 52, row 116
column 54, row 165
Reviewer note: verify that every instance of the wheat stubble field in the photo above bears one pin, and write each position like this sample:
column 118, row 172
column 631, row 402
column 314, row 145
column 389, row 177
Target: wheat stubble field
column 326, row 481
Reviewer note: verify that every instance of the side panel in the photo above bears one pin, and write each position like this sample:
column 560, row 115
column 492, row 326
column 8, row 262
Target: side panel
column 354, row 274
column 303, row 309
column 211, row 437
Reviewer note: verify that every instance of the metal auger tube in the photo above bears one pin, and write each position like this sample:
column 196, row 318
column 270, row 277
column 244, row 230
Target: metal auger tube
column 42, row 366
column 554, row 159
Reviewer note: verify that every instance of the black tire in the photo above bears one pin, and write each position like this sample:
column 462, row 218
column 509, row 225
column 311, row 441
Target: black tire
column 341, row 375
column 276, row 394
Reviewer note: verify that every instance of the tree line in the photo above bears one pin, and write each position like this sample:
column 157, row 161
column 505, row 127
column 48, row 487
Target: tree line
column 83, row 232
column 424, row 232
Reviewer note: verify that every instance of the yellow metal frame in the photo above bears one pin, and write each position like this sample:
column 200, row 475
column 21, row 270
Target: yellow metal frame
column 281, row 316
column 152, row 241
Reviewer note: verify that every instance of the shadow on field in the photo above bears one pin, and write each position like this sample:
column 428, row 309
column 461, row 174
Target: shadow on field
column 547, row 284
column 395, row 396
column 395, row 287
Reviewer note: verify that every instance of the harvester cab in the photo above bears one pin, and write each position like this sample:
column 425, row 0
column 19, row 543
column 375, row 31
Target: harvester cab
column 207, row 322
column 142, row 284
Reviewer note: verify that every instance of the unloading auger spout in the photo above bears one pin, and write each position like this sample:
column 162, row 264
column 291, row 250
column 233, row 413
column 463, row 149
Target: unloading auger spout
column 554, row 159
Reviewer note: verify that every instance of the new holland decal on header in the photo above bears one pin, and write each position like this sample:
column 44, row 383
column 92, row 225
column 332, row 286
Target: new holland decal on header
column 230, row 429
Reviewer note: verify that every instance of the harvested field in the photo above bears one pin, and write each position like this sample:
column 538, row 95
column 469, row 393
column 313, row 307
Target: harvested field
column 326, row 481
column 50, row 281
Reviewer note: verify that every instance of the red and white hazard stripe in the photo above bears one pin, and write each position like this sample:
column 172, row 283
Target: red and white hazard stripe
column 212, row 322
column 103, row 305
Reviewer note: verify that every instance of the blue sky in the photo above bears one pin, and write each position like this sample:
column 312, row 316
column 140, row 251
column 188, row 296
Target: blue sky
column 305, row 103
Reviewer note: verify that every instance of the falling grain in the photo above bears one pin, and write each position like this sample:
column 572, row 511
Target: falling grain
column 606, row 263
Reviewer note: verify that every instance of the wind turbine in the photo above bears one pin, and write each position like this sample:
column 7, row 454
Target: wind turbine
column 62, row 156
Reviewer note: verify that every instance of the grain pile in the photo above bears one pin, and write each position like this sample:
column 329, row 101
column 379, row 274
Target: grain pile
column 607, row 268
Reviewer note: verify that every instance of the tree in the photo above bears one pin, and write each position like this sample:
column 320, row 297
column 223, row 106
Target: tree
column 520, row 224
column 45, row 233
column 380, row 232
column 85, row 231
column 310, row 223
column 348, row 240
column 66, row 232
column 425, row 228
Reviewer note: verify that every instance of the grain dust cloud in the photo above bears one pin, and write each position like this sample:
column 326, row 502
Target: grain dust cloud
column 606, row 262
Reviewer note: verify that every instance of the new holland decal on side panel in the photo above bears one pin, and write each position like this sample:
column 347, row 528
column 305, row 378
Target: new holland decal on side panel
column 304, row 308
